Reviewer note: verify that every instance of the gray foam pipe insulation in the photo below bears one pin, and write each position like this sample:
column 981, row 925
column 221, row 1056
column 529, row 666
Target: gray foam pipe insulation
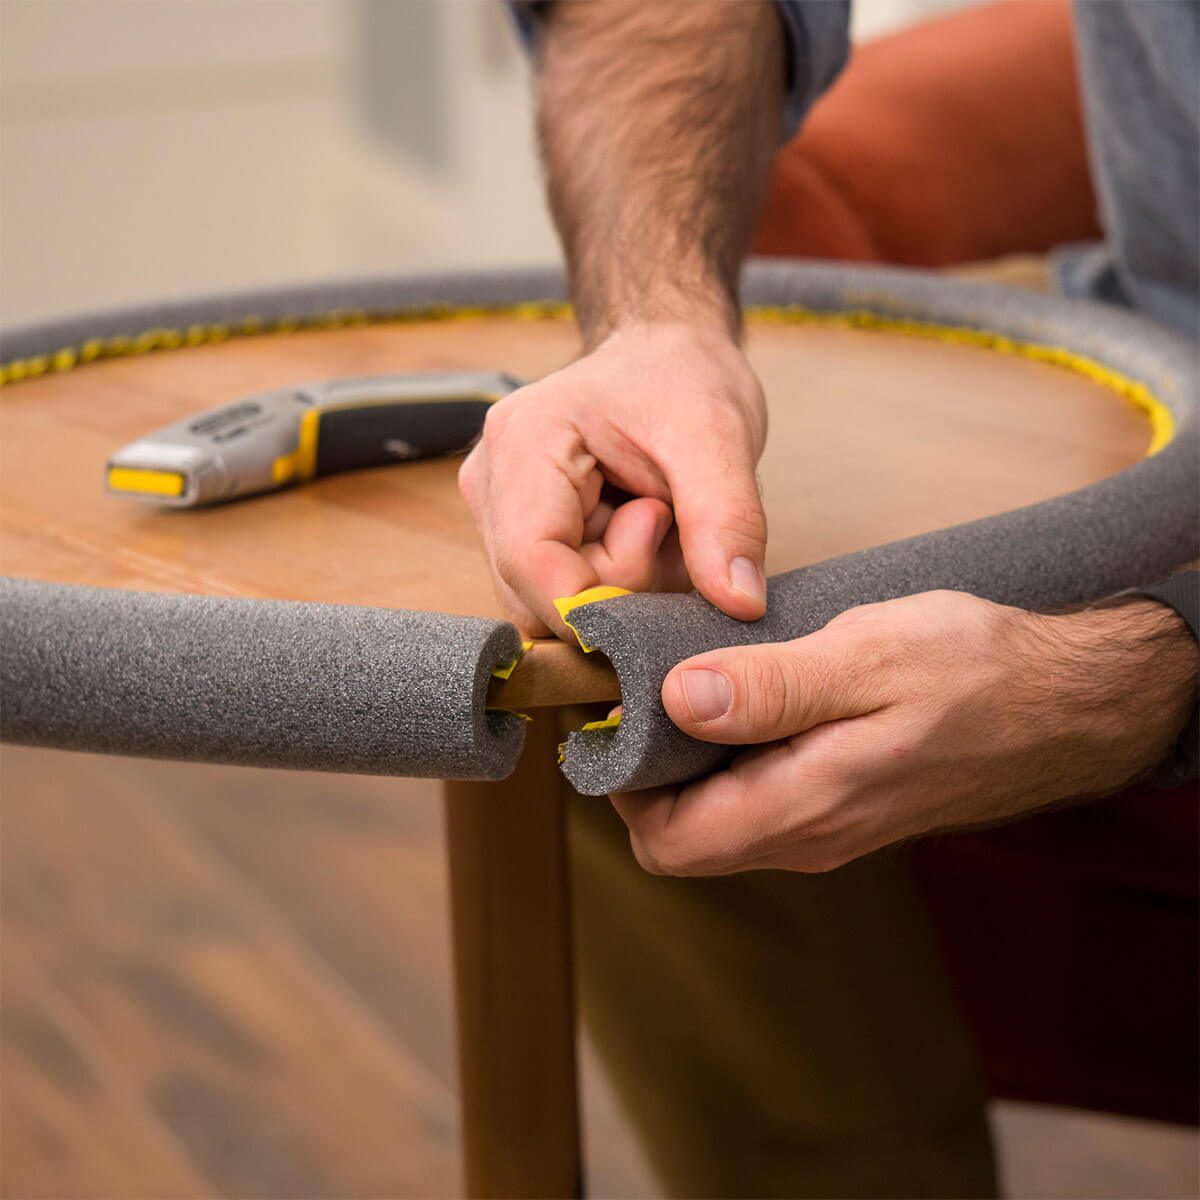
column 323, row 687
column 390, row 692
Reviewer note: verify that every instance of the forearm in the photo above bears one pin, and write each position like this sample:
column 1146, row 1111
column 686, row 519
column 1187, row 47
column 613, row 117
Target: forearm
column 1125, row 674
column 658, row 123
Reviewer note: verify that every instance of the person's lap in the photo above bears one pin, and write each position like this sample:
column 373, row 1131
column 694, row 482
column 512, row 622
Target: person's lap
column 774, row 1034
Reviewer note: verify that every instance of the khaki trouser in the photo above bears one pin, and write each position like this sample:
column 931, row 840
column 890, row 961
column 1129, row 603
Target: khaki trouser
column 774, row 1034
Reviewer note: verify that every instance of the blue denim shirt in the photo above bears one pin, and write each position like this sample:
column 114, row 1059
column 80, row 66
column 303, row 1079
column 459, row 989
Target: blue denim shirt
column 1140, row 73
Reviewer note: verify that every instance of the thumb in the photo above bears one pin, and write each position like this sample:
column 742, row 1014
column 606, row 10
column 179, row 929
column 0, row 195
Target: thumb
column 723, row 531
column 751, row 694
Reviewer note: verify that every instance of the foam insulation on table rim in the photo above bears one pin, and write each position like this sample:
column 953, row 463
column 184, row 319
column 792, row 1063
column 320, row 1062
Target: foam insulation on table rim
column 381, row 691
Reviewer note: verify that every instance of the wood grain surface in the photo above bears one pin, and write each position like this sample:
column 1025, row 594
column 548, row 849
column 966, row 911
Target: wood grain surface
column 513, row 970
column 236, row 1047
column 164, row 930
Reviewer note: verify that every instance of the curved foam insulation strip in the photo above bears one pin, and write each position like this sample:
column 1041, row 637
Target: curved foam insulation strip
column 271, row 689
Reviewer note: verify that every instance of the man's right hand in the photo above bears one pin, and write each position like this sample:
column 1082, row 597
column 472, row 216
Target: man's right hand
column 634, row 466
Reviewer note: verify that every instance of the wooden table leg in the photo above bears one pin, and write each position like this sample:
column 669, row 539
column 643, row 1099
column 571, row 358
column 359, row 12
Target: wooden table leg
column 510, row 909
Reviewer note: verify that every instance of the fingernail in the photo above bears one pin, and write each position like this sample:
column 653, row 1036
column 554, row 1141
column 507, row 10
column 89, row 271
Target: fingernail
column 707, row 693
column 745, row 577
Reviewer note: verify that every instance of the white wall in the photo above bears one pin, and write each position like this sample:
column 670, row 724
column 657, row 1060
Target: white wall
column 160, row 146
column 151, row 146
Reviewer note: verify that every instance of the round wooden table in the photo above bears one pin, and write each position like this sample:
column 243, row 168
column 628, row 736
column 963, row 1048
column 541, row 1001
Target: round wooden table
column 873, row 437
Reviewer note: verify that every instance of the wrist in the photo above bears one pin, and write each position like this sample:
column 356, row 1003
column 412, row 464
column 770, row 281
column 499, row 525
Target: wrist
column 702, row 358
column 707, row 308
column 1126, row 675
column 672, row 337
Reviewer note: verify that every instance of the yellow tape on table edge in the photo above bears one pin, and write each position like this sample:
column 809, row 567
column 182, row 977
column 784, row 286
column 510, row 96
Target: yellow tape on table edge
column 67, row 358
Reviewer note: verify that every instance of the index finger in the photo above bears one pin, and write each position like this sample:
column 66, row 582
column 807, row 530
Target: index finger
column 533, row 527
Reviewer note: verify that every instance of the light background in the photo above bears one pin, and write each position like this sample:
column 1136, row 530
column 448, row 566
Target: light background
column 160, row 146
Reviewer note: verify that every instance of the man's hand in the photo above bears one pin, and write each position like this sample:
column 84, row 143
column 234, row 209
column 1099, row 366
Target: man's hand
column 602, row 472
column 896, row 719
column 657, row 124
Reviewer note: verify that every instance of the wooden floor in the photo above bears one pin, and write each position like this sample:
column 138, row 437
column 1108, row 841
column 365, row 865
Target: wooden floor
column 228, row 982
column 222, row 982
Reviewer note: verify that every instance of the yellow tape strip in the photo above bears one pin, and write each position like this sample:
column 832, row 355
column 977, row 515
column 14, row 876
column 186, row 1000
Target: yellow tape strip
column 568, row 604
column 589, row 727
column 67, row 358
column 505, row 670
column 607, row 723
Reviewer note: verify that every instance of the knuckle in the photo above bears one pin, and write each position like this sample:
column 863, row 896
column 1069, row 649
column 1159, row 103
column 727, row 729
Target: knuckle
column 498, row 417
column 536, row 560
column 942, row 608
column 824, row 810
column 952, row 599
column 877, row 653
column 663, row 853
column 744, row 516
column 675, row 864
column 506, row 564
column 862, row 614
column 874, row 639
column 647, row 859
column 770, row 691
column 468, row 474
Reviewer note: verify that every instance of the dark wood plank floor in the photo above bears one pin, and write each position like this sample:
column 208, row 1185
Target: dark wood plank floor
column 220, row 982
column 228, row 982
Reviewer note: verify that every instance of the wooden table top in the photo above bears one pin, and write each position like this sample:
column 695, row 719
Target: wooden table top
column 873, row 437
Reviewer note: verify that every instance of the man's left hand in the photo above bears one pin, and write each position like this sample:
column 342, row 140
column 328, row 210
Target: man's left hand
column 895, row 719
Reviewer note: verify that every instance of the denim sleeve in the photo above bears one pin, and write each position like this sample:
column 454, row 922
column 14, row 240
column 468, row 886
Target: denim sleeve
column 818, row 43
column 524, row 15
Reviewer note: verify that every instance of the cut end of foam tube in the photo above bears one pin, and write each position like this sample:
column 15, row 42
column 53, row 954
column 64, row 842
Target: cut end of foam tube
column 567, row 604
column 505, row 670
column 608, row 723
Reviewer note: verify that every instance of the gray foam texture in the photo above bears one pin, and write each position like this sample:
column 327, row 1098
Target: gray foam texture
column 261, row 683
column 1122, row 531
column 1131, row 528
